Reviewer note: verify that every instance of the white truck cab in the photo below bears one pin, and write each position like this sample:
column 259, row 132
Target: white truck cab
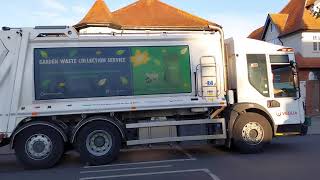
column 266, row 74
column 101, row 93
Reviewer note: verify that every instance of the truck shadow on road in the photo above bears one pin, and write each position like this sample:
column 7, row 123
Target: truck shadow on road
column 9, row 164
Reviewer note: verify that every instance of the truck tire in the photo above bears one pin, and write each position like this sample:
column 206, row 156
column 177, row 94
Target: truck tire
column 39, row 147
column 98, row 143
column 251, row 133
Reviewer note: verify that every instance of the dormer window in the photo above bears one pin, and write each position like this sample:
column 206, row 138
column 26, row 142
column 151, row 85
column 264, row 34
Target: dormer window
column 315, row 9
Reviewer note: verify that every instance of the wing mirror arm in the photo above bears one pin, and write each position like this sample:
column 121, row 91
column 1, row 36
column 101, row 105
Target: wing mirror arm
column 296, row 81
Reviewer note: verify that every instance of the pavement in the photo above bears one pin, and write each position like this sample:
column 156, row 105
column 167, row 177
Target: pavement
column 293, row 158
column 315, row 126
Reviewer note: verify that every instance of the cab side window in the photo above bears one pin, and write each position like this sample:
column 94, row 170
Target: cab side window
column 257, row 73
column 283, row 84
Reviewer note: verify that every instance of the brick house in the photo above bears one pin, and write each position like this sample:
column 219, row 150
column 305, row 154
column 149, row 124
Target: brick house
column 143, row 14
column 297, row 26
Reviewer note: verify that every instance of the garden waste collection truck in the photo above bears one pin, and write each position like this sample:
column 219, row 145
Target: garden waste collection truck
column 100, row 93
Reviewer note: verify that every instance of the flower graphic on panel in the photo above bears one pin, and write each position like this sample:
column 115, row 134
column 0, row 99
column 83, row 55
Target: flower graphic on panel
column 140, row 58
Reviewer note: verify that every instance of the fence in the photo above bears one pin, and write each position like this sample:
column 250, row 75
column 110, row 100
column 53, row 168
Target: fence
column 312, row 98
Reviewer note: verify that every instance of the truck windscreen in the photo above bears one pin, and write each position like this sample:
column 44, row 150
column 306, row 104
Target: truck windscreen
column 82, row 72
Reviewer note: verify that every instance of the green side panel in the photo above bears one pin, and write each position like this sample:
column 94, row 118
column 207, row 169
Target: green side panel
column 161, row 70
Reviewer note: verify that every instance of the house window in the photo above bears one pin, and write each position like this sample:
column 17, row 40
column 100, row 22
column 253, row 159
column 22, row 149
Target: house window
column 315, row 46
column 271, row 27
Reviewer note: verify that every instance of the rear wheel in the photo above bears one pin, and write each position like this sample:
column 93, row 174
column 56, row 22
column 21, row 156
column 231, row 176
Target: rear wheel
column 98, row 143
column 39, row 147
column 251, row 133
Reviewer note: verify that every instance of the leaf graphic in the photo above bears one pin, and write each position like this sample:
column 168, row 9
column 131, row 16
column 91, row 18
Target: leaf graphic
column 98, row 53
column 124, row 80
column 184, row 51
column 102, row 82
column 157, row 62
column 72, row 53
column 45, row 83
column 62, row 84
column 44, row 54
column 120, row 52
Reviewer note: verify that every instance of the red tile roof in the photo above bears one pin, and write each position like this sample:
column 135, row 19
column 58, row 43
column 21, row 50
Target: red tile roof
column 154, row 13
column 143, row 14
column 98, row 15
column 257, row 34
column 279, row 20
column 295, row 16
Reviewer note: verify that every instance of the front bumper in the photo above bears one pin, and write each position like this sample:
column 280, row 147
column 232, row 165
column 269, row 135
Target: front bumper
column 292, row 129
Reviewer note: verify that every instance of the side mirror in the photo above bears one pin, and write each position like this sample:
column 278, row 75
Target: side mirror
column 293, row 64
column 296, row 81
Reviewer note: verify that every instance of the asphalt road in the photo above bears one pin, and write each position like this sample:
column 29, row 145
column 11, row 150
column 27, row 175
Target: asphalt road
column 289, row 158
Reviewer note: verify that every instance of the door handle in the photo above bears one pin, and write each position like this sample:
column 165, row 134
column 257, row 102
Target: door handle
column 273, row 104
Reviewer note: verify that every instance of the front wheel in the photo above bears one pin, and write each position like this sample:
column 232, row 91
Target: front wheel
column 39, row 147
column 98, row 143
column 251, row 133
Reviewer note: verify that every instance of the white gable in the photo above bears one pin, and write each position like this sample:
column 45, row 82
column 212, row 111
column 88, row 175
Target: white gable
column 272, row 34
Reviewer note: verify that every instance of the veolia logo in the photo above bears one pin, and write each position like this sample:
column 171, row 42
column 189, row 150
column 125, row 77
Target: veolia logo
column 315, row 9
column 289, row 113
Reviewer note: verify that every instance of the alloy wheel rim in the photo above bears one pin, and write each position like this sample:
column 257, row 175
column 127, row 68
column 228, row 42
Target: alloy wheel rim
column 38, row 146
column 253, row 133
column 99, row 142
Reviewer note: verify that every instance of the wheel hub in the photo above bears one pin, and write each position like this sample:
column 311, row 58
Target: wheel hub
column 38, row 146
column 99, row 142
column 253, row 133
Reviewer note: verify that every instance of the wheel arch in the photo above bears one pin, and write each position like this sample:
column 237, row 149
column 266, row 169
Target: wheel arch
column 37, row 123
column 241, row 108
column 112, row 121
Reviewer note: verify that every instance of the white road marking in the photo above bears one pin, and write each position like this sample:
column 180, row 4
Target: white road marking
column 184, row 152
column 138, row 163
column 125, row 169
column 147, row 148
column 213, row 176
column 207, row 171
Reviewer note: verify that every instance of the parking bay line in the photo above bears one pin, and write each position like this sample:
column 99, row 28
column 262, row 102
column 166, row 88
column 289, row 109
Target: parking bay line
column 139, row 163
column 207, row 171
column 125, row 169
column 179, row 148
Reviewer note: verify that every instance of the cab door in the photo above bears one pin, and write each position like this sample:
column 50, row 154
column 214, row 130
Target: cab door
column 285, row 105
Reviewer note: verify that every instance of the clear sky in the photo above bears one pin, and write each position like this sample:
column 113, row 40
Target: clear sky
column 237, row 17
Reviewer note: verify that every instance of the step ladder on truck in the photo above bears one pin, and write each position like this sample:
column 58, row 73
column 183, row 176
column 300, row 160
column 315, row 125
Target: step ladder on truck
column 101, row 93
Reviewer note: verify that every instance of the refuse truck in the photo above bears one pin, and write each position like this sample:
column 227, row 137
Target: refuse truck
column 97, row 94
